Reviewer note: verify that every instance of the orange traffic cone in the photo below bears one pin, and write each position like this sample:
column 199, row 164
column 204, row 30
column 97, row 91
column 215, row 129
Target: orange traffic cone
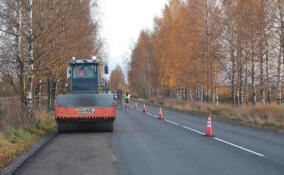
column 144, row 108
column 135, row 106
column 160, row 114
column 208, row 131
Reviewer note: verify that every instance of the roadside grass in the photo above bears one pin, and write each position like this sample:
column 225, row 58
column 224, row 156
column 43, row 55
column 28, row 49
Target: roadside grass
column 18, row 132
column 270, row 116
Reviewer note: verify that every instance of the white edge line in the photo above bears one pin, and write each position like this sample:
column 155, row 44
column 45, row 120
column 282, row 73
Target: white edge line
column 193, row 130
column 245, row 149
column 223, row 141
column 171, row 122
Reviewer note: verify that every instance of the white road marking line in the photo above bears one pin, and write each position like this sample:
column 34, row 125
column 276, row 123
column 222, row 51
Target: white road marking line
column 245, row 149
column 193, row 130
column 171, row 122
column 220, row 140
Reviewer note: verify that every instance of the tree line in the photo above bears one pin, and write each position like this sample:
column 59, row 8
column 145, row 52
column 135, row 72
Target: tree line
column 38, row 39
column 117, row 80
column 198, row 48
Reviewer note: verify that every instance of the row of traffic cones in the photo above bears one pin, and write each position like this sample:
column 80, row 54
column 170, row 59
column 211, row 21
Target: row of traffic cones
column 208, row 131
column 160, row 116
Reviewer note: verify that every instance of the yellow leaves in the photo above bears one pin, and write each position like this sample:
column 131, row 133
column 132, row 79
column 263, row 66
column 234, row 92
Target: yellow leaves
column 61, row 32
column 117, row 80
column 179, row 43
column 177, row 49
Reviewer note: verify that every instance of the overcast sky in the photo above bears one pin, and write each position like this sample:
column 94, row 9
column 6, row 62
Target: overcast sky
column 122, row 21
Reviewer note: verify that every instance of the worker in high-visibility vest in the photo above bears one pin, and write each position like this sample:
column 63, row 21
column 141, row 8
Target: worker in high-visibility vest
column 127, row 99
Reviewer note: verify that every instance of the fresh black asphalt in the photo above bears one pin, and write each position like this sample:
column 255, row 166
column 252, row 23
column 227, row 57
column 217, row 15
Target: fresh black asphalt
column 146, row 145
column 141, row 144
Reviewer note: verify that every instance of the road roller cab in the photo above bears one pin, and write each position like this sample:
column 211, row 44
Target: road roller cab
column 85, row 108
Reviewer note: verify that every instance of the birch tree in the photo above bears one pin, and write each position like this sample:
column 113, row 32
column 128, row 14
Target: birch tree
column 38, row 47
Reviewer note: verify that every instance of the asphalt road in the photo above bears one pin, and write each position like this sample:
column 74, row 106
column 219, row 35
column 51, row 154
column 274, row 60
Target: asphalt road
column 144, row 145
column 73, row 154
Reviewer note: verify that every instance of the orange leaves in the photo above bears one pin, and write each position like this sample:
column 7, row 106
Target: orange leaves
column 180, row 45
column 63, row 29
column 177, row 55
column 117, row 79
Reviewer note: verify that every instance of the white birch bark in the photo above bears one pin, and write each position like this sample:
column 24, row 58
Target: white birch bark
column 281, row 53
column 30, row 66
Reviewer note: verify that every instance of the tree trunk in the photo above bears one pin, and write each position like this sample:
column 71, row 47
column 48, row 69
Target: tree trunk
column 201, row 95
column 232, row 57
column 207, row 96
column 241, row 87
column 278, row 84
column 237, row 99
column 183, row 94
column 246, row 79
column 53, row 94
column 196, row 94
column 262, row 98
column 213, row 83
column 253, row 78
column 217, row 96
column 21, row 83
column 29, row 99
column 240, row 64
column 281, row 53
column 29, row 104
column 189, row 95
column 233, row 83
column 261, row 54
column 20, row 65
column 268, row 79
column 48, row 93
column 246, row 94
column 281, row 11
column 37, row 94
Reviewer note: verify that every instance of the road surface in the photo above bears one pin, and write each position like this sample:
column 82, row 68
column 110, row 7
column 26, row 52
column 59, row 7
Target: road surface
column 73, row 154
column 144, row 145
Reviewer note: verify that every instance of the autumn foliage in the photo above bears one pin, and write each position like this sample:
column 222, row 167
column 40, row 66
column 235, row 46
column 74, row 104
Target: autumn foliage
column 117, row 79
column 38, row 39
column 199, row 49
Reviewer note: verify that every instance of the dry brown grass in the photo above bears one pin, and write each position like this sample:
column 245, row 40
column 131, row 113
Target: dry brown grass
column 17, row 131
column 10, row 112
column 265, row 115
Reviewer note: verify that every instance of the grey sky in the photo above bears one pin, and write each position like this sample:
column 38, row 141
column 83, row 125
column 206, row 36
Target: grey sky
column 122, row 22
